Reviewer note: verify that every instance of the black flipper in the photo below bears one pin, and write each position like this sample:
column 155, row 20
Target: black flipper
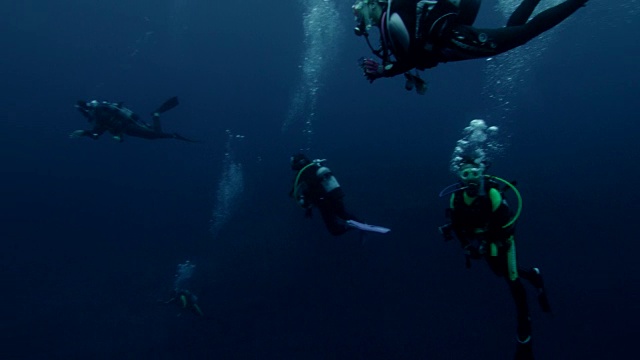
column 524, row 351
column 168, row 105
column 543, row 301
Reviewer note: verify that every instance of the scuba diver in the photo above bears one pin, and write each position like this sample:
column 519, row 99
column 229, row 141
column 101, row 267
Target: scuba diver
column 315, row 185
column 120, row 121
column 186, row 299
column 420, row 34
column 484, row 224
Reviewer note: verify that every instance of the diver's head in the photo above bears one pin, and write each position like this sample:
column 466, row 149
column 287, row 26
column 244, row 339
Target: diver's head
column 85, row 107
column 472, row 176
column 299, row 161
column 367, row 13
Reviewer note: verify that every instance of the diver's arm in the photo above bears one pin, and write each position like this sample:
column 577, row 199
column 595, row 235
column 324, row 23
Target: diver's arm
column 462, row 238
column 461, row 233
column 304, row 199
column 88, row 133
column 96, row 131
column 396, row 68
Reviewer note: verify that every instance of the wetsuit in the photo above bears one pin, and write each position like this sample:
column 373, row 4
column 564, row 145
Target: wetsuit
column 421, row 34
column 317, row 187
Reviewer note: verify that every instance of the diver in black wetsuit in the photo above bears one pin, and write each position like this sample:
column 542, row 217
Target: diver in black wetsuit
column 315, row 185
column 484, row 224
column 420, row 34
column 119, row 120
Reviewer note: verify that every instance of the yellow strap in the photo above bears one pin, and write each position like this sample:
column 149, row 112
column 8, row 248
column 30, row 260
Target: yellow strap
column 295, row 183
column 496, row 199
column 511, row 259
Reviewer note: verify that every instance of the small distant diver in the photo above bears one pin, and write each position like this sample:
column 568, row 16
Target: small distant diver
column 119, row 121
column 186, row 300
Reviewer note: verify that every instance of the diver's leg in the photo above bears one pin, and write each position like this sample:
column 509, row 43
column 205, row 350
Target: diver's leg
column 534, row 276
column 490, row 42
column 518, row 292
column 156, row 122
column 334, row 224
column 500, row 265
column 340, row 210
column 522, row 12
column 552, row 17
column 519, row 295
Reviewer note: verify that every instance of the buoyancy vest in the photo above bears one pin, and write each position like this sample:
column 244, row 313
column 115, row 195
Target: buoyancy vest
column 474, row 214
column 426, row 23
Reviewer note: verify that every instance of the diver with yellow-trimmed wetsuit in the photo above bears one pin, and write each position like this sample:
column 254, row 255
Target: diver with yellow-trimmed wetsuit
column 483, row 222
column 187, row 300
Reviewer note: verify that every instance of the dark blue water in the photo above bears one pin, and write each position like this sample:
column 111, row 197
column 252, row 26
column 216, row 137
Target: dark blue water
column 92, row 231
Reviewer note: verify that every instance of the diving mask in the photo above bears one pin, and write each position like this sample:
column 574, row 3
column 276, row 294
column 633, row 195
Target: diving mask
column 362, row 12
column 471, row 174
column 473, row 178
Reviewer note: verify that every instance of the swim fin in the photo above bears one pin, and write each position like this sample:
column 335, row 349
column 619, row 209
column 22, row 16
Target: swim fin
column 168, row 105
column 524, row 351
column 367, row 227
column 538, row 283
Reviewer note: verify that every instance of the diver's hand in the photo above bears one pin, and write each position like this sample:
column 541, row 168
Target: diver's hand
column 472, row 252
column 76, row 134
column 446, row 231
column 372, row 70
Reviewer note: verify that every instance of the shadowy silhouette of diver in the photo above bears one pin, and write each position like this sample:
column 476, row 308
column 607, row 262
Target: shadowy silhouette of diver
column 119, row 121
column 186, row 299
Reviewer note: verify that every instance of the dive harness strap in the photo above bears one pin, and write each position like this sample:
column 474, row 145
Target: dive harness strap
column 296, row 183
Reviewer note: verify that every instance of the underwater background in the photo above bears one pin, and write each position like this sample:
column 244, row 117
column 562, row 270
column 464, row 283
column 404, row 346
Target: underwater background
column 92, row 231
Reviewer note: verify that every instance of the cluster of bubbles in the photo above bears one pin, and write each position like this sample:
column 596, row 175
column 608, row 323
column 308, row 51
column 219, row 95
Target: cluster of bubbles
column 140, row 46
column 183, row 274
column 320, row 34
column 477, row 145
column 506, row 73
column 230, row 187
column 631, row 10
column 618, row 14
